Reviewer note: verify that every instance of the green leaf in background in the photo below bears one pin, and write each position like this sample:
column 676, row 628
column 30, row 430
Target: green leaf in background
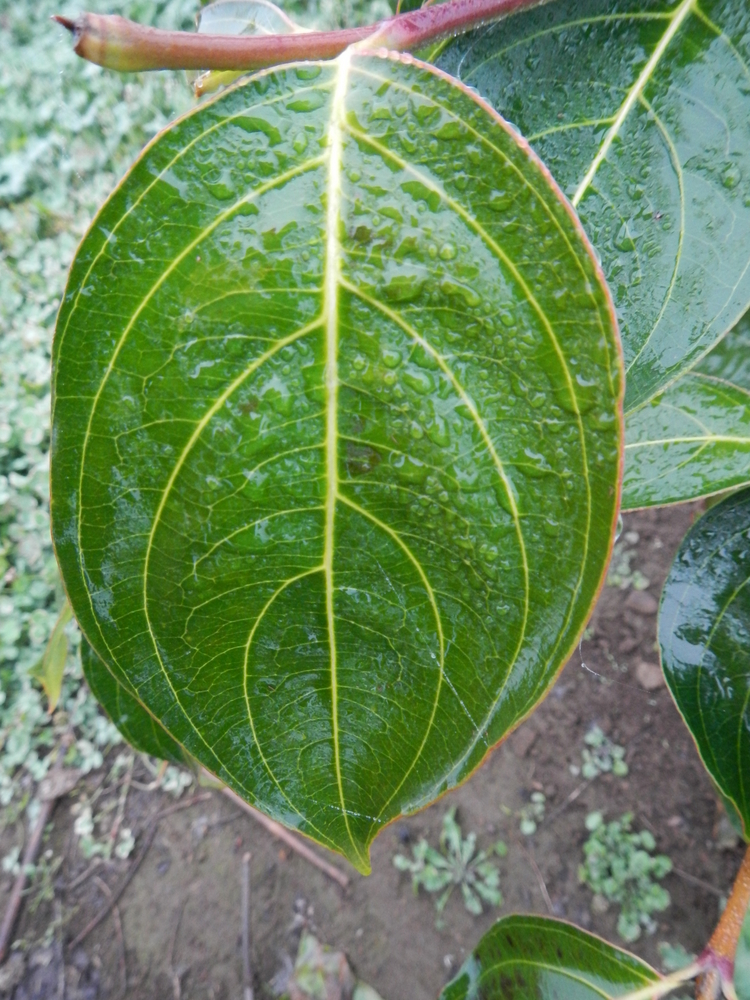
column 535, row 958
column 50, row 669
column 138, row 727
column 244, row 17
column 238, row 17
column 730, row 359
column 704, row 633
column 642, row 112
column 336, row 438
column 693, row 439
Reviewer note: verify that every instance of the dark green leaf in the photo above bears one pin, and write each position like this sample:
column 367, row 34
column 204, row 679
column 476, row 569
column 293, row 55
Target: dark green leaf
column 336, row 438
column 535, row 958
column 704, row 632
column 693, row 439
column 137, row 725
column 730, row 359
column 642, row 111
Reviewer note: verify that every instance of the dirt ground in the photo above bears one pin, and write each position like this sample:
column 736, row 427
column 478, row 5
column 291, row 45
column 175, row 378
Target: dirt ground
column 179, row 931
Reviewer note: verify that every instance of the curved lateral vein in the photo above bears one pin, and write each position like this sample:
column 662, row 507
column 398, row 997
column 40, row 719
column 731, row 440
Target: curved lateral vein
column 170, row 483
column 222, row 217
column 246, row 527
column 178, row 156
column 481, row 137
column 555, row 29
column 677, row 166
column 633, row 94
column 279, row 590
column 438, row 621
column 529, row 296
column 201, row 426
column 479, row 423
column 694, row 439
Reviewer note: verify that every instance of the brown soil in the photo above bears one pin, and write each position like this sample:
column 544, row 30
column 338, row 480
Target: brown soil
column 181, row 913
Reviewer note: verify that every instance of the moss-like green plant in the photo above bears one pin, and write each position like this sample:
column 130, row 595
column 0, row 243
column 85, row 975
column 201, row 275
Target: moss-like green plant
column 601, row 756
column 620, row 868
column 532, row 813
column 457, row 863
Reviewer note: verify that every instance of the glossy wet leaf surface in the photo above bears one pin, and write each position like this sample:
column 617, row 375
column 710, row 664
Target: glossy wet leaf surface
column 336, row 438
column 704, row 633
column 694, row 438
column 642, row 112
column 138, row 727
column 534, row 958
column 730, row 359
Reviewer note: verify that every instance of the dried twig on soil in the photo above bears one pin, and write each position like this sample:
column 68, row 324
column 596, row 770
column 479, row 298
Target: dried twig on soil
column 540, row 879
column 121, row 803
column 31, row 852
column 29, row 857
column 698, row 881
column 120, row 937
column 568, row 799
column 148, row 840
column 80, row 879
column 247, row 978
column 175, row 974
column 277, row 830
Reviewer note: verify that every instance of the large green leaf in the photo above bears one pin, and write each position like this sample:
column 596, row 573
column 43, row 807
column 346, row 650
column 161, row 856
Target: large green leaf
column 730, row 359
column 138, row 727
column 537, row 958
column 336, row 438
column 704, row 632
column 641, row 108
column 694, row 438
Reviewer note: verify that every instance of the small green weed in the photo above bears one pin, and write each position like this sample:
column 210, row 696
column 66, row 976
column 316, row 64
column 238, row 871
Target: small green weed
column 92, row 846
column 532, row 813
column 619, row 868
column 600, row 756
column 457, row 865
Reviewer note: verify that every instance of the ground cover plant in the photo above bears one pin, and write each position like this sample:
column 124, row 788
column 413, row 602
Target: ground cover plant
column 619, row 868
column 338, row 407
column 457, row 864
column 67, row 135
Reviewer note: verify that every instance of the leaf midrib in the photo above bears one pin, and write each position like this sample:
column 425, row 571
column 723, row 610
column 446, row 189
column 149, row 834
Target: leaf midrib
column 331, row 322
column 634, row 93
